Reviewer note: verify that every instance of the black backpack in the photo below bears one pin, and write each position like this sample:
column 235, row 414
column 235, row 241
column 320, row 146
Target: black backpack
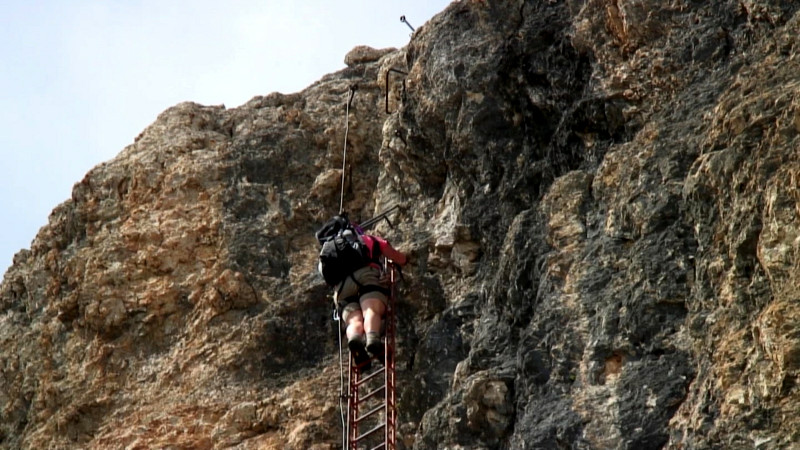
column 343, row 251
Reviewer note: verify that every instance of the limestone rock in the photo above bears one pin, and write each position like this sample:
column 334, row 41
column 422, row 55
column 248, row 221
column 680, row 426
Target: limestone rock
column 364, row 54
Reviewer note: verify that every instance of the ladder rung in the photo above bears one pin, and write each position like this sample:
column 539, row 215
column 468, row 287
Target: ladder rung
column 371, row 394
column 371, row 376
column 374, row 410
column 370, row 432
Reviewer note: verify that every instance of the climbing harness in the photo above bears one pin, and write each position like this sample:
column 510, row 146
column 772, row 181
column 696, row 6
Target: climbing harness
column 353, row 89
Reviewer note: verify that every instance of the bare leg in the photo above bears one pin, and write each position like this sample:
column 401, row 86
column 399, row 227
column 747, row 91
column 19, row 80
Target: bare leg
column 356, row 339
column 373, row 310
column 355, row 325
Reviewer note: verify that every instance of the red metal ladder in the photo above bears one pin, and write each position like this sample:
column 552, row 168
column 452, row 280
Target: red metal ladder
column 373, row 390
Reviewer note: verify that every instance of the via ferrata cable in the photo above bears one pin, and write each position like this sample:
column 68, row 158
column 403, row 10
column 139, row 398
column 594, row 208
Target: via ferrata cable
column 344, row 152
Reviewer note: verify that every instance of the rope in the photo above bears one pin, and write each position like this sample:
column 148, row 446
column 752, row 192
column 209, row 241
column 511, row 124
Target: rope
column 336, row 318
column 344, row 152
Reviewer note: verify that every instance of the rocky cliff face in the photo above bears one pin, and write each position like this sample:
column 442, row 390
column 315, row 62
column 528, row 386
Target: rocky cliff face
column 600, row 200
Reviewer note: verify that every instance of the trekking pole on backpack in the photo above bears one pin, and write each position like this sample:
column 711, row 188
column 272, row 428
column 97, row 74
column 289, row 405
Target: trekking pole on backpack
column 382, row 216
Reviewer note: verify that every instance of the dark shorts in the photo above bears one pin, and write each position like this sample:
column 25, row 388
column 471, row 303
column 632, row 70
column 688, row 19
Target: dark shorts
column 349, row 298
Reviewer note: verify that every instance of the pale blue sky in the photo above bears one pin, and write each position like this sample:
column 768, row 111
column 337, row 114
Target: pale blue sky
column 80, row 79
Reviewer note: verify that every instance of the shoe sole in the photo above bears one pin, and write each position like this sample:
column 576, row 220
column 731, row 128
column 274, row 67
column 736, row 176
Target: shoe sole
column 360, row 357
column 376, row 349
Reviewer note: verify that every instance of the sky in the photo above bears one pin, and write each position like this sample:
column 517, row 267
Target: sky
column 80, row 79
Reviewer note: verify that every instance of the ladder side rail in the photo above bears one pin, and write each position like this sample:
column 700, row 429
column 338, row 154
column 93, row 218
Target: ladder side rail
column 352, row 410
column 390, row 350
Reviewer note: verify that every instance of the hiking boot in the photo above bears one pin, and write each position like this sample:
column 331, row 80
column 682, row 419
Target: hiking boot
column 375, row 346
column 359, row 352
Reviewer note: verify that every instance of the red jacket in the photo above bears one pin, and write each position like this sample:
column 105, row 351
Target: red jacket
column 385, row 247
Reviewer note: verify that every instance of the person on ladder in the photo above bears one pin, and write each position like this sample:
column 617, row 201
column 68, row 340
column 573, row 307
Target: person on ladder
column 350, row 263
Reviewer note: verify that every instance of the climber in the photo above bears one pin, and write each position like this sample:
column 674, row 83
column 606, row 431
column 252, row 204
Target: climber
column 349, row 261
